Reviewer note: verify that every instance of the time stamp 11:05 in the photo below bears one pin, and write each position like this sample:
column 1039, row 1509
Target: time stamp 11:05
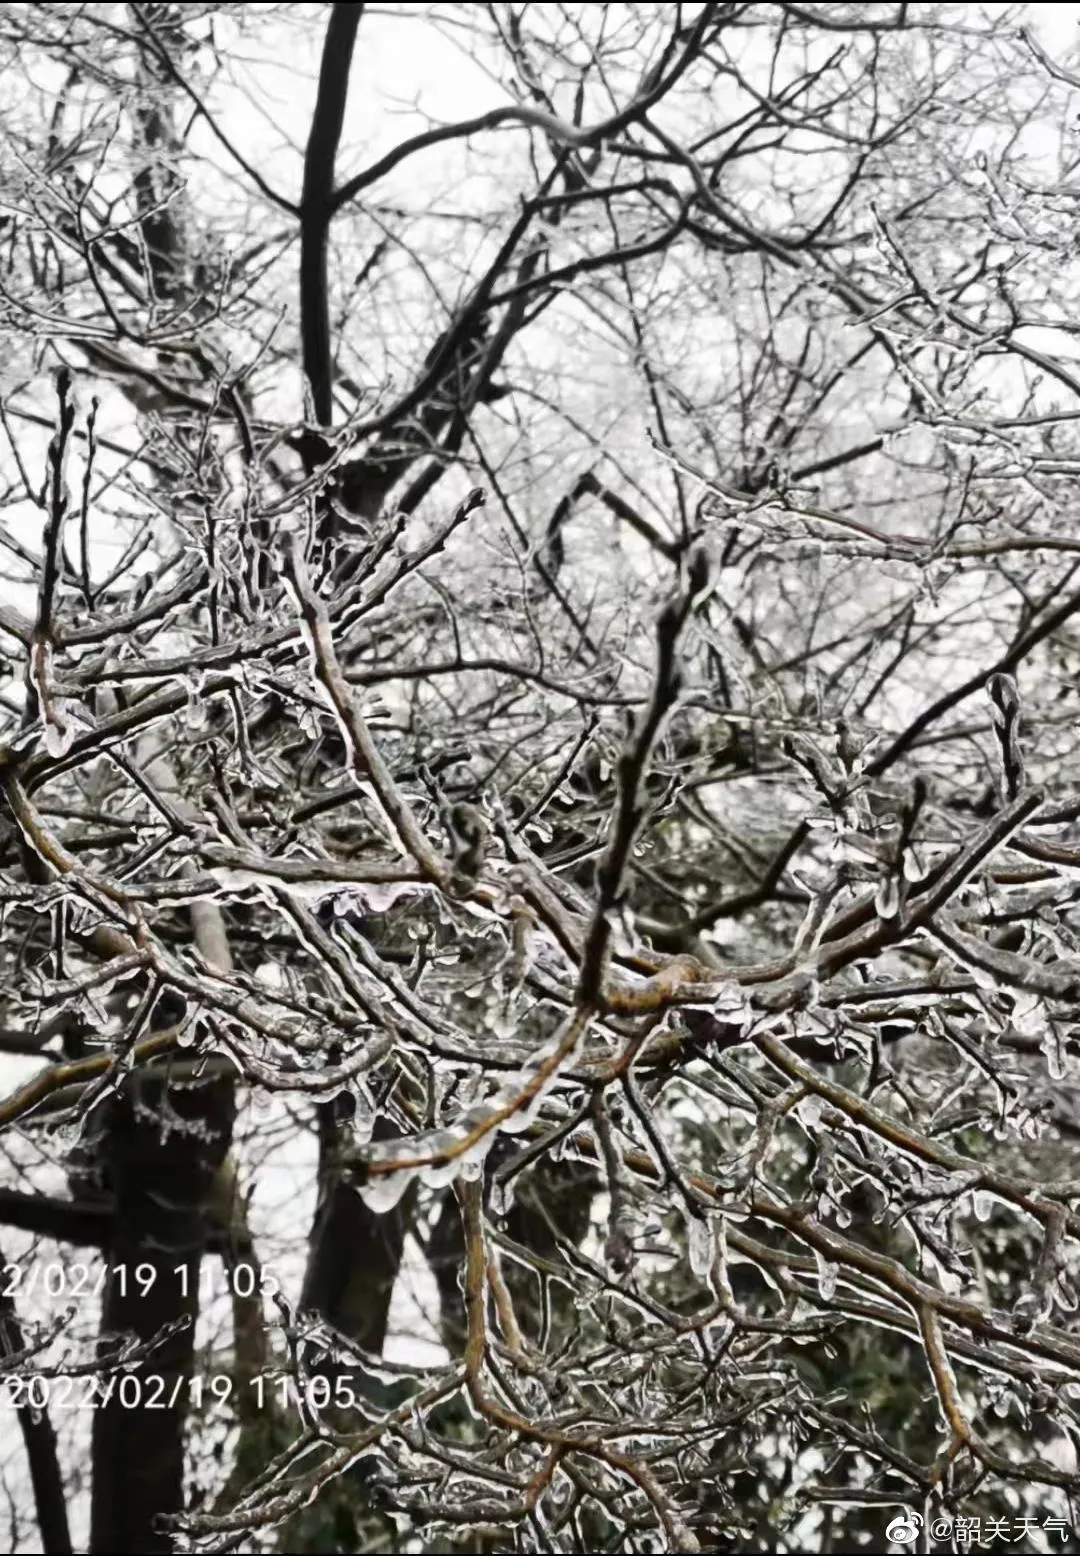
column 208, row 1279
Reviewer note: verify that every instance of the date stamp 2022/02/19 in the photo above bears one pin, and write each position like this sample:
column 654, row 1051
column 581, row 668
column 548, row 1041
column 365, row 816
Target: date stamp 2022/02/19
column 165, row 1391
column 140, row 1387
column 62, row 1281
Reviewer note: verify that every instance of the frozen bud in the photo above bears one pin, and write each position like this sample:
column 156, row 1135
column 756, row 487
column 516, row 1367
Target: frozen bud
column 697, row 575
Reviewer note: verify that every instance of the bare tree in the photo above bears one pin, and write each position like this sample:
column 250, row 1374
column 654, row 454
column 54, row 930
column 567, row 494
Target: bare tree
column 540, row 661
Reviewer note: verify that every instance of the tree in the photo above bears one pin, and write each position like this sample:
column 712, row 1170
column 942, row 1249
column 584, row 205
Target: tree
column 542, row 667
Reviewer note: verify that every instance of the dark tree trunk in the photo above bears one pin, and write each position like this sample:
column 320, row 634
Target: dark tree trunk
column 162, row 1147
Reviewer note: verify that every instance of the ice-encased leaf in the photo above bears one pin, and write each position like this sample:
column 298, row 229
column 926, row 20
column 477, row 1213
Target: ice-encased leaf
column 827, row 1274
column 196, row 712
column 59, row 737
column 501, row 1197
column 384, row 1191
column 1027, row 1013
column 912, row 867
column 438, row 1173
column 701, row 1244
column 1053, row 1047
column 517, row 1122
column 363, row 1120
column 730, row 1000
column 810, row 1110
